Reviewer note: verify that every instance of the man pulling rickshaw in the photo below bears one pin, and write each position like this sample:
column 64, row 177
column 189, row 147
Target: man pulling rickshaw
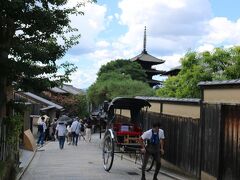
column 152, row 145
column 125, row 135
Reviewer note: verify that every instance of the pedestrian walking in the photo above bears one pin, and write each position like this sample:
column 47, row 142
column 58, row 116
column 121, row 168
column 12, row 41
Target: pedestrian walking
column 61, row 133
column 88, row 126
column 152, row 144
column 41, row 131
column 75, row 129
column 54, row 125
column 82, row 129
column 47, row 136
column 69, row 134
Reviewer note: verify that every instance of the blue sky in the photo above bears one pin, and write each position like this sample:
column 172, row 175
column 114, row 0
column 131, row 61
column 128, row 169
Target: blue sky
column 113, row 29
column 226, row 8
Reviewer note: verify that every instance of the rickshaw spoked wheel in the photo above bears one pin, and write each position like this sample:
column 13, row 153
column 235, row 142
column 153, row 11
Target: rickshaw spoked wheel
column 108, row 152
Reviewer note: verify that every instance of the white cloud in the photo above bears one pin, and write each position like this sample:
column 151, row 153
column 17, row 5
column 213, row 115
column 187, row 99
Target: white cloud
column 82, row 77
column 223, row 31
column 89, row 25
column 173, row 27
column 116, row 15
column 170, row 61
column 205, row 47
column 102, row 44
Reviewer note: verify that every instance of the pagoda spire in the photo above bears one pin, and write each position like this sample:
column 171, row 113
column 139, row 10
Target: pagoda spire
column 144, row 41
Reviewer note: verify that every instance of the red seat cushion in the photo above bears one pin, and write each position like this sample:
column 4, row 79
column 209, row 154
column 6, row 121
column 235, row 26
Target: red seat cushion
column 130, row 133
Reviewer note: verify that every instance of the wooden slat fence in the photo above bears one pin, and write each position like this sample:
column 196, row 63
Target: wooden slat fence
column 230, row 143
column 211, row 129
column 3, row 145
column 7, row 151
column 182, row 143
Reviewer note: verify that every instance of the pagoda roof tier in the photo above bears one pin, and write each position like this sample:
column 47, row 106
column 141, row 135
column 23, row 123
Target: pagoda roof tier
column 154, row 71
column 145, row 57
column 153, row 82
column 174, row 71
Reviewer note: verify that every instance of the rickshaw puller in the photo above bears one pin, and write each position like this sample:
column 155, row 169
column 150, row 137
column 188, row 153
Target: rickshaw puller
column 154, row 146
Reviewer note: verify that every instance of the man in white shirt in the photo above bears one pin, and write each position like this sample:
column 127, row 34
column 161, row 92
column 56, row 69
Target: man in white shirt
column 152, row 144
column 75, row 129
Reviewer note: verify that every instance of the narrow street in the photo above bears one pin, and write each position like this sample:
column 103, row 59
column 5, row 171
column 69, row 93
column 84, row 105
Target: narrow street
column 83, row 162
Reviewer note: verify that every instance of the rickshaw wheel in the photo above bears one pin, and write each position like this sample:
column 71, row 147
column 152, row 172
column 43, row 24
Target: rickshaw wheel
column 108, row 152
column 150, row 162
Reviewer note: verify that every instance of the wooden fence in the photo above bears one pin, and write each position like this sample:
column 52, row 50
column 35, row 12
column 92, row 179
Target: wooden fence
column 3, row 145
column 221, row 141
column 7, row 151
column 182, row 140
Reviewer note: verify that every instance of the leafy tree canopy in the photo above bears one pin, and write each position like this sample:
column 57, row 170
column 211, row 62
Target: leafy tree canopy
column 124, row 67
column 114, row 84
column 220, row 64
column 75, row 105
column 33, row 35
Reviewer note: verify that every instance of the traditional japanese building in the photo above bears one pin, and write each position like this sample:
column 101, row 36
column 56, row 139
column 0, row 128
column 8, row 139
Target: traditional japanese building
column 147, row 61
column 174, row 71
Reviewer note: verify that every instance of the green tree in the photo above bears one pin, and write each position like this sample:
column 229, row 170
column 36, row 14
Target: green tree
column 220, row 64
column 113, row 84
column 122, row 66
column 82, row 105
column 32, row 38
column 75, row 105
column 232, row 70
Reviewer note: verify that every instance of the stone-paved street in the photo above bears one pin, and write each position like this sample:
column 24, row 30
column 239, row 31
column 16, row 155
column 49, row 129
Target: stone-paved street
column 83, row 162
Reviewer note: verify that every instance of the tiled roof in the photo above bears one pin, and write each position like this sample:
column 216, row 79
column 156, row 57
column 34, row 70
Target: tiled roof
column 174, row 69
column 180, row 100
column 44, row 101
column 70, row 89
column 58, row 90
column 148, row 58
column 66, row 89
column 216, row 83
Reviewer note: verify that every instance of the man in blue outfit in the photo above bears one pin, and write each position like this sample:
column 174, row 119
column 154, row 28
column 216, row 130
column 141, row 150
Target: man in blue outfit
column 75, row 129
column 41, row 131
column 152, row 144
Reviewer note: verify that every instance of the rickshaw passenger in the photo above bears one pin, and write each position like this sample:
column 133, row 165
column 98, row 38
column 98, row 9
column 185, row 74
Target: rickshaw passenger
column 154, row 138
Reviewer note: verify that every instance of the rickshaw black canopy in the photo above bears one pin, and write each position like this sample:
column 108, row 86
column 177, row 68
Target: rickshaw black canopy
column 128, row 103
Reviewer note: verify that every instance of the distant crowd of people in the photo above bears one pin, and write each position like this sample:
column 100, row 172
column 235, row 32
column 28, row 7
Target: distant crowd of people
column 72, row 129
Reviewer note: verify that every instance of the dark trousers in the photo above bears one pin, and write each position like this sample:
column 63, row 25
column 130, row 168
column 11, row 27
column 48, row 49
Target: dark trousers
column 40, row 138
column 75, row 138
column 155, row 152
column 61, row 140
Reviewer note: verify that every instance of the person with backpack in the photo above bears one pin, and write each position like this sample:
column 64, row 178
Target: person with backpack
column 61, row 131
column 152, row 144
column 41, row 131
column 75, row 129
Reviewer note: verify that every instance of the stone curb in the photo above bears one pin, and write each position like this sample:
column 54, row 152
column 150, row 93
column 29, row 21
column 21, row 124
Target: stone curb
column 20, row 174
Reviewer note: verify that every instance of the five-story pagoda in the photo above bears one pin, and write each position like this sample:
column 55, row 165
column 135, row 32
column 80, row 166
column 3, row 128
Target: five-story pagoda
column 147, row 61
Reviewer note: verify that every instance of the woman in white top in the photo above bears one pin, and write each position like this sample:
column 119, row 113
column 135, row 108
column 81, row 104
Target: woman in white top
column 61, row 132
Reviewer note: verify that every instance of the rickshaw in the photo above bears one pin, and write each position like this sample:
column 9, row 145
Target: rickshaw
column 123, row 133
